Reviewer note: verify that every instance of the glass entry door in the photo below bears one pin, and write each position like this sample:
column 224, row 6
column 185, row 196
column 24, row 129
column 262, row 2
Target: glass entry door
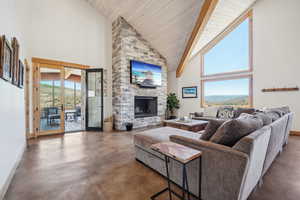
column 94, row 99
column 51, row 100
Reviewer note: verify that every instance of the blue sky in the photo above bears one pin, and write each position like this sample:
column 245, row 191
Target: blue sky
column 230, row 54
column 140, row 66
column 227, row 87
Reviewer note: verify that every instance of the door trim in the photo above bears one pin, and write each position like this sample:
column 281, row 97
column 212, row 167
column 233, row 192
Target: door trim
column 87, row 105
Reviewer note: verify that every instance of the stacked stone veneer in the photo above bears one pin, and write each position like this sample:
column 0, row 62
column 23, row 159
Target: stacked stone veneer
column 128, row 45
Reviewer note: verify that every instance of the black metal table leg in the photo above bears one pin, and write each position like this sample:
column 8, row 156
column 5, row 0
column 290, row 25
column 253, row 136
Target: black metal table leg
column 187, row 184
column 200, row 177
column 183, row 183
column 168, row 177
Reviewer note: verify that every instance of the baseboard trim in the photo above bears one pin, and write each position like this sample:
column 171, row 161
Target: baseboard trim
column 11, row 174
column 295, row 133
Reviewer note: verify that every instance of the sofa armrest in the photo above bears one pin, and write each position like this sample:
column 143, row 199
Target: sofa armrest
column 223, row 168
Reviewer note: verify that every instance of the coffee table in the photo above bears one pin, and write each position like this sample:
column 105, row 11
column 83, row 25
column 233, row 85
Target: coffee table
column 189, row 125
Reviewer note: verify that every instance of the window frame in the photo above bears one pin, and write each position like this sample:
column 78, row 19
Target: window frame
column 239, row 74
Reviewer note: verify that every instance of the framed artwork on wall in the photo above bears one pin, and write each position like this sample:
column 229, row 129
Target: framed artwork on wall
column 6, row 60
column 21, row 74
column 189, row 92
column 15, row 62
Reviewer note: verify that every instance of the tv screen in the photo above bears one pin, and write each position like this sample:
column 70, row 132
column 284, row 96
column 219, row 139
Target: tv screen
column 144, row 74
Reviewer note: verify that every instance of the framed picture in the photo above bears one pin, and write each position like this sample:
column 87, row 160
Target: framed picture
column 189, row 92
column 21, row 74
column 6, row 60
column 15, row 62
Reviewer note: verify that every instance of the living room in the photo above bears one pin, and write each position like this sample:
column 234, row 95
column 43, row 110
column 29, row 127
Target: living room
column 144, row 99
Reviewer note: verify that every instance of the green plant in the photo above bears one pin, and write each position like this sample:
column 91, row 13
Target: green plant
column 172, row 103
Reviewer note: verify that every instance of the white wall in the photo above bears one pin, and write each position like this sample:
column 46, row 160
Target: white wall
column 172, row 82
column 276, row 48
column 12, row 112
column 276, row 30
column 190, row 77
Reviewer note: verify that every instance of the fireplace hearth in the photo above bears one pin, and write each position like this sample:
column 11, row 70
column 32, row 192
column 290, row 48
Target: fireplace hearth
column 145, row 106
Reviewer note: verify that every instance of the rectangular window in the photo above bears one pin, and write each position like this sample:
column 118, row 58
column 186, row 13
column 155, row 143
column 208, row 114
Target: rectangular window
column 232, row 92
column 226, row 67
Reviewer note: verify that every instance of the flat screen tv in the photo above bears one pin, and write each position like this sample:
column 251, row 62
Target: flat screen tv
column 145, row 74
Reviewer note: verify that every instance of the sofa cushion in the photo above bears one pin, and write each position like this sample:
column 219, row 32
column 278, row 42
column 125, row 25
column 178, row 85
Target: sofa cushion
column 239, row 111
column 233, row 130
column 210, row 111
column 279, row 110
column 198, row 114
column 153, row 136
column 211, row 129
column 264, row 117
column 226, row 112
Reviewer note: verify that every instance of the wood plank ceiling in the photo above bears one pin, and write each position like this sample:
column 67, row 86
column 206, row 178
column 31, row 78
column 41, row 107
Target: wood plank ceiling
column 166, row 24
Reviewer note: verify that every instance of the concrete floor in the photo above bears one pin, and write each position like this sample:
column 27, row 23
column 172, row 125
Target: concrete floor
column 88, row 166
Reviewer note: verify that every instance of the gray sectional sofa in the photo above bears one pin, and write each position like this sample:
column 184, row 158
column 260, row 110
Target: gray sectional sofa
column 228, row 173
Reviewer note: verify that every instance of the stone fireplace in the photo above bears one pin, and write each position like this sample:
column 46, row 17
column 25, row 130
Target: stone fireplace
column 145, row 106
column 131, row 103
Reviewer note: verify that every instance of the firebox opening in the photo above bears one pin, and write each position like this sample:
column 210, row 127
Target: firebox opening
column 145, row 106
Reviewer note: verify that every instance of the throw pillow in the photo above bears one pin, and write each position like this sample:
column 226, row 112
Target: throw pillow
column 239, row 111
column 273, row 114
column 233, row 130
column 225, row 113
column 210, row 111
column 264, row 117
column 211, row 128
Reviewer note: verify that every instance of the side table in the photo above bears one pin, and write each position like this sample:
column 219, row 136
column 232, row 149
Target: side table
column 183, row 155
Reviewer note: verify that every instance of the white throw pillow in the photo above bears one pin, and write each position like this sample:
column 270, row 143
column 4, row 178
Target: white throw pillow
column 210, row 111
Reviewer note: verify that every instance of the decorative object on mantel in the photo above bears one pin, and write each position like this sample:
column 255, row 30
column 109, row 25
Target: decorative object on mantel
column 189, row 92
column 172, row 105
column 5, row 59
column 285, row 89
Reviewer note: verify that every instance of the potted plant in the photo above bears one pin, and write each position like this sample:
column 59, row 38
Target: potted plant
column 172, row 105
column 129, row 126
column 108, row 124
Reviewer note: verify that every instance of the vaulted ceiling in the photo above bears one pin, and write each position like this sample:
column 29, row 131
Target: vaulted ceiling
column 166, row 24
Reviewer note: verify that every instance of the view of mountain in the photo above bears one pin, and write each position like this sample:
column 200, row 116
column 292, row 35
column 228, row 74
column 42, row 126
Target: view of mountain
column 226, row 100
column 50, row 96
